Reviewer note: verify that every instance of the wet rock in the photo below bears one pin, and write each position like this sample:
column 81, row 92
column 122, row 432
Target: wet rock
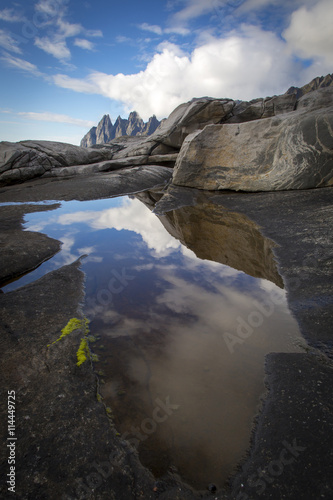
column 87, row 187
column 212, row 488
column 22, row 251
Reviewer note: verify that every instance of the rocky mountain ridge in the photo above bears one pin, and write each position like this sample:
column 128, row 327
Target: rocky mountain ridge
column 106, row 131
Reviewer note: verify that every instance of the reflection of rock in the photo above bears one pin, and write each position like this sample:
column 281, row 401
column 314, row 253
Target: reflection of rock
column 214, row 233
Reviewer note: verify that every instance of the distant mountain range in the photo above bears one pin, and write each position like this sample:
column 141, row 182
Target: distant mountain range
column 106, row 131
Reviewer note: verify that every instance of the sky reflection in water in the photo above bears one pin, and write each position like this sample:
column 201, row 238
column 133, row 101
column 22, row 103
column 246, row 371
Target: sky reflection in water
column 171, row 326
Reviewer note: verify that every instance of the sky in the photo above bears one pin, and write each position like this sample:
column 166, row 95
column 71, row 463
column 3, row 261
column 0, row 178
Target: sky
column 66, row 63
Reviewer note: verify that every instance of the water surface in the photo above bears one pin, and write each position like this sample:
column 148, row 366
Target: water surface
column 182, row 339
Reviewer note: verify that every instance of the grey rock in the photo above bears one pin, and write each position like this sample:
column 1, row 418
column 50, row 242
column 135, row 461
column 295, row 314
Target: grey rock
column 150, row 127
column 22, row 251
column 106, row 131
column 87, row 187
column 319, row 82
column 135, row 124
column 26, row 160
column 289, row 151
column 119, row 128
column 193, row 115
column 89, row 139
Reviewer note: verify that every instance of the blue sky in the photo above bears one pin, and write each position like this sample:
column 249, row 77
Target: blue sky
column 65, row 63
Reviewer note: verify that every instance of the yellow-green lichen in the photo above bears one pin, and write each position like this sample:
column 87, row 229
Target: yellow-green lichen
column 73, row 324
column 82, row 352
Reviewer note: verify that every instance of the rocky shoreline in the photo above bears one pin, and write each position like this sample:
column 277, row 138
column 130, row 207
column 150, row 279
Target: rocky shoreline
column 296, row 414
column 68, row 446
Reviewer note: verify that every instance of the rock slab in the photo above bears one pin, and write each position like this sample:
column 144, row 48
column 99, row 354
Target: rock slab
column 289, row 151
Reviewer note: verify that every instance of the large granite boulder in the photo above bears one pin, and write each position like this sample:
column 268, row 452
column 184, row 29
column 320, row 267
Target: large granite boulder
column 288, row 151
column 190, row 116
column 26, row 160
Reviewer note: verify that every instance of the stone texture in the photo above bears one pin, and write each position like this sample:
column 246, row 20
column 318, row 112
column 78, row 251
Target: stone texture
column 191, row 116
column 104, row 130
column 28, row 159
column 88, row 187
column 289, row 151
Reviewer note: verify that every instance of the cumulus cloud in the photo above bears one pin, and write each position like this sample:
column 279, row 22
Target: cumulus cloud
column 55, row 118
column 246, row 64
column 309, row 34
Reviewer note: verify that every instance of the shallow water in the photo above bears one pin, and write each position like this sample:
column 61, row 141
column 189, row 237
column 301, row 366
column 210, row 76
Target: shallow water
column 182, row 339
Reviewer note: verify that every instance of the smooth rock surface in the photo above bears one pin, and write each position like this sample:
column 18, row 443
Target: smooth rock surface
column 190, row 116
column 22, row 251
column 29, row 159
column 291, row 151
column 88, row 187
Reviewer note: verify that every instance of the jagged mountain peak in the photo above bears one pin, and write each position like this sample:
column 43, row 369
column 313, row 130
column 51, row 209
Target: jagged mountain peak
column 106, row 131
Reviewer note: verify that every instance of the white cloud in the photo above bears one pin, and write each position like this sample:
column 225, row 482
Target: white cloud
column 67, row 30
column 54, row 117
column 56, row 48
column 193, row 9
column 59, row 29
column 93, row 33
column 246, row 64
column 18, row 63
column 123, row 39
column 7, row 42
column 309, row 34
column 51, row 7
column 152, row 28
column 83, row 44
column 10, row 16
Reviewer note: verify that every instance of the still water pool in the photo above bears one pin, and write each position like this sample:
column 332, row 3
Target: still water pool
column 182, row 339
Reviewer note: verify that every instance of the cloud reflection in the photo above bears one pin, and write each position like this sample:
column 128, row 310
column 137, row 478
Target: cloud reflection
column 131, row 216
